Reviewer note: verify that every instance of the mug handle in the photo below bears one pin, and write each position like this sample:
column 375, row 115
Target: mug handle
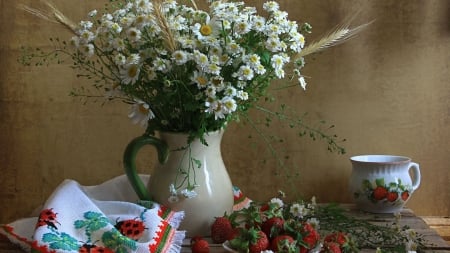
column 416, row 173
column 129, row 161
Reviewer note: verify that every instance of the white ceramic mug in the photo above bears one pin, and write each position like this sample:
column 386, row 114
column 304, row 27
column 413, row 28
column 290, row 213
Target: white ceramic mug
column 382, row 183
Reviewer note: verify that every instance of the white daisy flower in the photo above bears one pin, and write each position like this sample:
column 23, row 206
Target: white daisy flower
column 120, row 59
column 141, row 113
column 133, row 59
column 259, row 23
column 242, row 27
column 86, row 36
column 228, row 105
column 244, row 73
column 129, row 73
column 180, row 57
column 116, row 28
column 230, row 91
column 118, row 44
column 134, row 34
column 200, row 79
column 242, row 95
column 271, row 6
column 212, row 68
column 201, row 59
column 210, row 91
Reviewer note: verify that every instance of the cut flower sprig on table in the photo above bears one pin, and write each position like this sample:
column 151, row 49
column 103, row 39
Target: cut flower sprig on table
column 184, row 69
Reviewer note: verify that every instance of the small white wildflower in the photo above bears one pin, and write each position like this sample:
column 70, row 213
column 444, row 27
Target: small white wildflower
column 244, row 73
column 92, row 13
column 86, row 36
column 120, row 59
column 229, row 105
column 116, row 28
column 298, row 210
column 133, row 59
column 189, row 193
column 75, row 41
column 86, row 25
column 242, row 95
column 302, row 82
column 180, row 57
column 133, row 34
column 271, row 6
column 314, row 222
column 129, row 73
column 200, row 79
column 87, row 50
column 277, row 202
column 172, row 189
column 230, row 91
column 242, row 27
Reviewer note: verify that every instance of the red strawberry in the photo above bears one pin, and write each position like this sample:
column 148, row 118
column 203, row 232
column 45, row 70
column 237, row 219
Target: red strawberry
column 234, row 233
column 392, row 196
column 405, row 195
column 331, row 247
column 380, row 193
column 199, row 245
column 259, row 244
column 221, row 230
column 337, row 237
column 282, row 243
column 273, row 226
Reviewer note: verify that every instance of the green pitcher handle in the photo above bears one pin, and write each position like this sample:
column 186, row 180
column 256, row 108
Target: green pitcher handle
column 129, row 161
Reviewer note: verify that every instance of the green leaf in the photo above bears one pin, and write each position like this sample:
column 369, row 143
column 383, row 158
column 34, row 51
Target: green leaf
column 379, row 181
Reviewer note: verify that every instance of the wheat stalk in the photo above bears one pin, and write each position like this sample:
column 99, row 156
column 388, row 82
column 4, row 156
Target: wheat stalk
column 337, row 36
column 52, row 15
column 164, row 25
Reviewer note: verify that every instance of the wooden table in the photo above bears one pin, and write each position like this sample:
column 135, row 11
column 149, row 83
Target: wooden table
column 438, row 244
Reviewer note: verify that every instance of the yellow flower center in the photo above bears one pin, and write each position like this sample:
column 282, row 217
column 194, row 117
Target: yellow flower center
column 202, row 81
column 142, row 109
column 132, row 71
column 206, row 30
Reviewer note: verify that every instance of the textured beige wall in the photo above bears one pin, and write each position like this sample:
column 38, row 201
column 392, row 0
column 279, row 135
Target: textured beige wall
column 387, row 91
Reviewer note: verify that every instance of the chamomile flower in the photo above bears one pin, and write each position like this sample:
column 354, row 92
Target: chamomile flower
column 87, row 50
column 271, row 6
column 229, row 105
column 129, row 73
column 200, row 79
column 242, row 95
column 244, row 73
column 140, row 113
column 134, row 34
column 180, row 57
column 120, row 59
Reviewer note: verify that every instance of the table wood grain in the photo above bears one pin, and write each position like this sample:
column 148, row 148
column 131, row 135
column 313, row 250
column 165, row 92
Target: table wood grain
column 436, row 243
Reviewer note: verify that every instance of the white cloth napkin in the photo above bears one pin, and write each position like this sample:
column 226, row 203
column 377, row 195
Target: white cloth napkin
column 102, row 218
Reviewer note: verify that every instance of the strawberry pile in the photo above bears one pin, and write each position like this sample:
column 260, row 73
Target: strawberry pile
column 276, row 227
